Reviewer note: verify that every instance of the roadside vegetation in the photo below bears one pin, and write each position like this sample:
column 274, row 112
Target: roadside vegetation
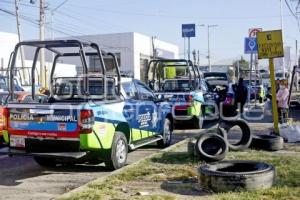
column 173, row 175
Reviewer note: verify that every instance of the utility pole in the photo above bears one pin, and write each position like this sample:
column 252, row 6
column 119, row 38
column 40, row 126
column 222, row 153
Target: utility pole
column 19, row 38
column 198, row 59
column 184, row 48
column 296, row 63
column 208, row 46
column 153, row 47
column 42, row 37
column 189, row 48
column 281, row 25
column 194, row 57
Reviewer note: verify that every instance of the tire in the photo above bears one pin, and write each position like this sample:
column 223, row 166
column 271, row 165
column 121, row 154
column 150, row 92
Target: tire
column 167, row 134
column 45, row 162
column 246, row 139
column 236, row 176
column 211, row 147
column 119, row 152
column 267, row 142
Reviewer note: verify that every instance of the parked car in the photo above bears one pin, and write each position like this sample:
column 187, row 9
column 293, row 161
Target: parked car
column 87, row 118
column 217, row 83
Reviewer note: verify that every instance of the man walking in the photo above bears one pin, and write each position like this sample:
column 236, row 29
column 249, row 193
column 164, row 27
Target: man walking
column 241, row 94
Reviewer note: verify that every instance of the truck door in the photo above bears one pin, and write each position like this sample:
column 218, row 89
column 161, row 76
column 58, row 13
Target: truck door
column 130, row 109
column 147, row 110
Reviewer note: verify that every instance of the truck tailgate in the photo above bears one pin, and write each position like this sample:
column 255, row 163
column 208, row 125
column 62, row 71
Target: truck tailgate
column 48, row 126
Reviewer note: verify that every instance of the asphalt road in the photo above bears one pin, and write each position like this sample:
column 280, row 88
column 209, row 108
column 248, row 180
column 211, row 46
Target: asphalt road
column 22, row 178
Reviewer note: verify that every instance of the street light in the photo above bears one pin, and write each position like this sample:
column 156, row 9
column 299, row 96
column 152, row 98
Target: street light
column 208, row 42
column 208, row 45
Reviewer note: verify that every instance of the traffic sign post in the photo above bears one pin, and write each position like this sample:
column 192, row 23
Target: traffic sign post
column 188, row 30
column 250, row 45
column 270, row 46
column 252, row 34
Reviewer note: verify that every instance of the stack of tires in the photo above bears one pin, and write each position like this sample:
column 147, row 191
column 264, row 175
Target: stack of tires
column 234, row 175
column 212, row 147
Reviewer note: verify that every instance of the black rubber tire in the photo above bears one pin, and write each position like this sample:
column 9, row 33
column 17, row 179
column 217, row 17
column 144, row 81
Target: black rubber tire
column 166, row 141
column 211, row 147
column 246, row 139
column 45, row 162
column 267, row 142
column 236, row 176
column 113, row 163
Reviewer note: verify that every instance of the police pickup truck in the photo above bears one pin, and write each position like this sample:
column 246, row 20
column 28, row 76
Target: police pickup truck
column 179, row 81
column 92, row 117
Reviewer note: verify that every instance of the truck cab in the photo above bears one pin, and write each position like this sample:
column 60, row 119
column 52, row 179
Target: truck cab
column 178, row 81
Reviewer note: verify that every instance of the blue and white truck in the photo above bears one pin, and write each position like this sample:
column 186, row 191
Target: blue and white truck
column 93, row 117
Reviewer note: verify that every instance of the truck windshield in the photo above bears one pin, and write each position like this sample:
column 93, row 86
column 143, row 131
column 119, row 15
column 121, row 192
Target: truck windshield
column 176, row 85
column 74, row 88
column 215, row 76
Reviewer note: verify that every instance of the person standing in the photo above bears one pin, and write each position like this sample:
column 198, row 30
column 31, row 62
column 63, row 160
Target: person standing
column 241, row 94
column 282, row 101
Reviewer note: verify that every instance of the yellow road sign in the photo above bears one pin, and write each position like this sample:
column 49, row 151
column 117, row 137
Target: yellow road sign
column 270, row 44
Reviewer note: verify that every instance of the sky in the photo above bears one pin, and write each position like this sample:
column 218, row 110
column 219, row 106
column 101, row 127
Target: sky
column 162, row 19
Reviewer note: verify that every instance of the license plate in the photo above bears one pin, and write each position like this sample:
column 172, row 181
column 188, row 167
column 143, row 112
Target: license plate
column 17, row 141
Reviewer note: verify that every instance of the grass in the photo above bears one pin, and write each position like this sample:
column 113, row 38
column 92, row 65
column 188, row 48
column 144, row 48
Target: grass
column 173, row 175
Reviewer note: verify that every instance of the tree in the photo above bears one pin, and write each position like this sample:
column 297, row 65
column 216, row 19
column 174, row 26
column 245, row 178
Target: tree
column 243, row 67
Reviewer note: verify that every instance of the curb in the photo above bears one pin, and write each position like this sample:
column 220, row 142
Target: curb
column 85, row 186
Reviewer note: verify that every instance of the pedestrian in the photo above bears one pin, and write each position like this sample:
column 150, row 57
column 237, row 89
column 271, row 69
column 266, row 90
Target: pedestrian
column 241, row 94
column 282, row 101
column 277, row 84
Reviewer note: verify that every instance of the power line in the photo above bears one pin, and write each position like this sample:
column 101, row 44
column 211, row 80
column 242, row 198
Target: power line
column 296, row 17
column 289, row 7
column 22, row 4
column 121, row 12
column 35, row 22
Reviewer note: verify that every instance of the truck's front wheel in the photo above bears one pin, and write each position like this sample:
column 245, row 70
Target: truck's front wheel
column 119, row 152
column 167, row 134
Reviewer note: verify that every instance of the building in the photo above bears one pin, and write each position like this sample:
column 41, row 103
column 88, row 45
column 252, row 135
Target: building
column 8, row 42
column 133, row 50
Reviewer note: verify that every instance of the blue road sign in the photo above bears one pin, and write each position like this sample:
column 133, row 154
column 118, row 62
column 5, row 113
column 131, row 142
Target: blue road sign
column 188, row 30
column 250, row 45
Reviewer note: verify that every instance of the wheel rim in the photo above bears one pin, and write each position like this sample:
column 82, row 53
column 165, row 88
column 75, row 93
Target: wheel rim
column 167, row 132
column 121, row 151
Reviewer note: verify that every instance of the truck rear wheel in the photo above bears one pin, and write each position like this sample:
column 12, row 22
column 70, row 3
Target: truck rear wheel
column 119, row 152
column 45, row 162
